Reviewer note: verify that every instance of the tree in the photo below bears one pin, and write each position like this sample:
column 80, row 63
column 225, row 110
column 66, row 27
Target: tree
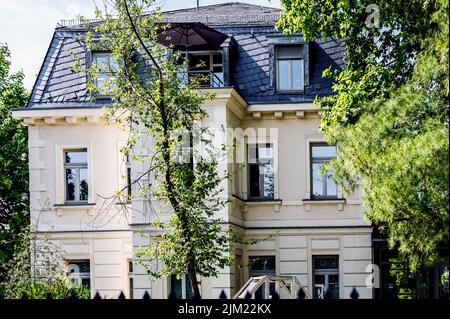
column 38, row 269
column 389, row 116
column 163, row 111
column 13, row 160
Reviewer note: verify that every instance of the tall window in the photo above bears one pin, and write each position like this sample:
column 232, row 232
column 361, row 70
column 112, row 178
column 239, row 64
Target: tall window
column 260, row 266
column 79, row 272
column 76, row 170
column 128, row 166
column 130, row 278
column 181, row 287
column 322, row 185
column 326, row 277
column 261, row 173
column 107, row 65
column 290, row 71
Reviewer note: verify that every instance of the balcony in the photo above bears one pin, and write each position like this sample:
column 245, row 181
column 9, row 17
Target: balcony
column 205, row 69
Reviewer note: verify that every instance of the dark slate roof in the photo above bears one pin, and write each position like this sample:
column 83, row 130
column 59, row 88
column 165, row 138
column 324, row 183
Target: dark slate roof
column 250, row 72
column 247, row 24
column 226, row 14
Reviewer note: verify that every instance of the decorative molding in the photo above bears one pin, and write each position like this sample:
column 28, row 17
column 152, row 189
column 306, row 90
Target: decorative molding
column 71, row 120
column 50, row 120
column 256, row 115
column 278, row 115
column 300, row 114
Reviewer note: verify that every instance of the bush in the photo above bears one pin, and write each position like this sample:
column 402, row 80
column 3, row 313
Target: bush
column 59, row 289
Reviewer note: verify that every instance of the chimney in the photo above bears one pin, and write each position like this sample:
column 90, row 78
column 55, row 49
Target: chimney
column 198, row 5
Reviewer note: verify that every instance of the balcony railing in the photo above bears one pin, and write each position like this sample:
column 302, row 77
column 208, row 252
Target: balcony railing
column 203, row 79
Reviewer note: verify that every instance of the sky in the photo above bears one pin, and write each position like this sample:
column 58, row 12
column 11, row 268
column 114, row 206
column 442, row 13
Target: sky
column 27, row 26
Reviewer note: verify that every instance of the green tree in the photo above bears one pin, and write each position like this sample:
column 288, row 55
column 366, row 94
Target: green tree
column 38, row 268
column 389, row 116
column 145, row 84
column 13, row 161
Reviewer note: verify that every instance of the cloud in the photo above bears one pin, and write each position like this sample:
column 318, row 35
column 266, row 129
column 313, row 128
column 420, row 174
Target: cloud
column 27, row 27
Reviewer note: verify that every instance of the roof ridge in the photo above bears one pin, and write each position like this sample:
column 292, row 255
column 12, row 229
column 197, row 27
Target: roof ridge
column 221, row 5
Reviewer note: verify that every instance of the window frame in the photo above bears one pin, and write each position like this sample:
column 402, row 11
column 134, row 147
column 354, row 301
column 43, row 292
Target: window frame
column 81, row 275
column 257, row 273
column 130, row 277
column 128, row 177
column 311, row 173
column 77, row 167
column 184, row 285
column 90, row 60
column 191, row 69
column 325, row 272
column 276, row 40
column 290, row 67
column 260, row 198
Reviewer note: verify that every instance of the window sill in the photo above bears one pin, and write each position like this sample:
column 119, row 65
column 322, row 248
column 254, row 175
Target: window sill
column 325, row 201
column 73, row 206
column 245, row 203
column 287, row 92
column 78, row 204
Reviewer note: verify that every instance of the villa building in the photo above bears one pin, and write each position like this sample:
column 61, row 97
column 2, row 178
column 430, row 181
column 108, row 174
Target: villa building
column 264, row 81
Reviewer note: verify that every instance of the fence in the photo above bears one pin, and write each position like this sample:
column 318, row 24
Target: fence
column 223, row 296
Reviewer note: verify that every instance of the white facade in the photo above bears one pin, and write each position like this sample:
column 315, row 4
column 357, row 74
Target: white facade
column 104, row 234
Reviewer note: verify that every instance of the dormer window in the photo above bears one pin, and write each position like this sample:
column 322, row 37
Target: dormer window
column 107, row 66
column 290, row 68
column 288, row 63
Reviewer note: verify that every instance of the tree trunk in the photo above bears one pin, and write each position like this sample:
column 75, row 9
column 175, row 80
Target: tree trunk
column 193, row 279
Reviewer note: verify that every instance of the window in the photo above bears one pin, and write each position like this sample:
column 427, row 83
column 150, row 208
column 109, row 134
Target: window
column 260, row 266
column 322, row 186
column 326, row 277
column 130, row 278
column 76, row 172
column 261, row 174
column 181, row 287
column 290, row 75
column 128, row 166
column 107, row 65
column 79, row 272
column 205, row 67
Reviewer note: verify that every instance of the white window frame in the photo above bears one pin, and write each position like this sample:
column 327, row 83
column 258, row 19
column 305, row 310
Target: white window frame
column 261, row 138
column 257, row 145
column 326, row 272
column 78, row 277
column 324, row 183
column 308, row 141
column 290, row 77
column 211, row 65
column 77, row 167
column 60, row 178
column 105, row 74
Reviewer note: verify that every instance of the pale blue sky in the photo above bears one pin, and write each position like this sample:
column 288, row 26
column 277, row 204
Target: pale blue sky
column 27, row 25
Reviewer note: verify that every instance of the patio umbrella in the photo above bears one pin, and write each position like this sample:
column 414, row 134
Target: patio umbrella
column 193, row 35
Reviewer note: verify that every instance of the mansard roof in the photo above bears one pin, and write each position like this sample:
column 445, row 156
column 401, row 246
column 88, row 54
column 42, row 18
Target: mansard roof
column 249, row 25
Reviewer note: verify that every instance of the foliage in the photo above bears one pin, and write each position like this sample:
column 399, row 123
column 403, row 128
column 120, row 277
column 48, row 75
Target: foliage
column 13, row 160
column 38, row 269
column 153, row 103
column 60, row 289
column 390, row 114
